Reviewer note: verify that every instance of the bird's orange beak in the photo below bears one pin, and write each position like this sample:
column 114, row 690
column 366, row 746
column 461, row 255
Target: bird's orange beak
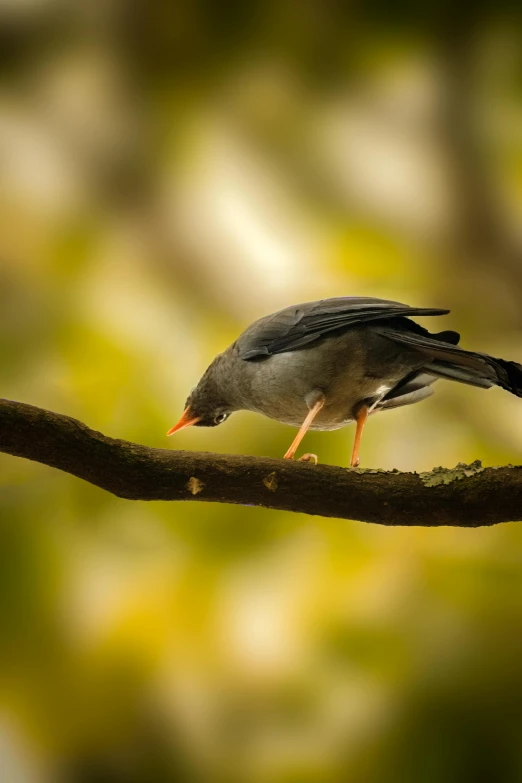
column 187, row 420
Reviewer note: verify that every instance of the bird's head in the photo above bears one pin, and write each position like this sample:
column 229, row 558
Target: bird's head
column 205, row 406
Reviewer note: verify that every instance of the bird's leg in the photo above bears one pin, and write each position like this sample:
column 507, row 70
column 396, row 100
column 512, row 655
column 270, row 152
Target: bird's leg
column 312, row 413
column 360, row 417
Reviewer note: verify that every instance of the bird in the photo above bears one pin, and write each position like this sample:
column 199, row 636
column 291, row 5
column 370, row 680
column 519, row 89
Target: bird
column 326, row 364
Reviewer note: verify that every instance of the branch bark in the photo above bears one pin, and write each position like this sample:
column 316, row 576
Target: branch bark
column 468, row 496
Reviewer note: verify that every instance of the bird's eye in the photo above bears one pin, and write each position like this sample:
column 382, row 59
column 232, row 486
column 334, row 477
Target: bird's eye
column 220, row 418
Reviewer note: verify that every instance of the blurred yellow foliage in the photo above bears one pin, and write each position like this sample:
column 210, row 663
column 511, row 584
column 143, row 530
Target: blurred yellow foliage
column 168, row 173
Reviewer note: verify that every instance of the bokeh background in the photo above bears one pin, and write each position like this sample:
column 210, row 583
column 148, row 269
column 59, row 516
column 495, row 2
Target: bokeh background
column 169, row 171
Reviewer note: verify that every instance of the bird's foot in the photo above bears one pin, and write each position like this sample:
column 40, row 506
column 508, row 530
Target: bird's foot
column 305, row 458
column 355, row 463
column 309, row 458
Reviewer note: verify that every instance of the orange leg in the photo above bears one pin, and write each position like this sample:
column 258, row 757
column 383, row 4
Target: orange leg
column 304, row 427
column 360, row 418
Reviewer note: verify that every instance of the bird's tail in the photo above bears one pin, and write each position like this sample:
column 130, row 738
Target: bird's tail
column 488, row 371
column 447, row 360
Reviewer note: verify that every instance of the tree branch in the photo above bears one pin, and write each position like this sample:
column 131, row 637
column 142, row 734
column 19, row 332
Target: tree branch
column 468, row 496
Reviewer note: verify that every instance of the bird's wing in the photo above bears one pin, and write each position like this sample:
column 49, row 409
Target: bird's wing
column 299, row 325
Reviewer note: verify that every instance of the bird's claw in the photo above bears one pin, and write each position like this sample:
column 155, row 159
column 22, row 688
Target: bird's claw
column 308, row 458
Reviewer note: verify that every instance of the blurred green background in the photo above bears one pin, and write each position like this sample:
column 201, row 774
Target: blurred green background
column 170, row 171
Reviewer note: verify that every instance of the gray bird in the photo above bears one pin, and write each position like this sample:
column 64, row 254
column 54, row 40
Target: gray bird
column 322, row 365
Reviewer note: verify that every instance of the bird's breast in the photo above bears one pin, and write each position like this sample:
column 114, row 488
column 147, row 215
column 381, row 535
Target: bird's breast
column 345, row 369
column 285, row 382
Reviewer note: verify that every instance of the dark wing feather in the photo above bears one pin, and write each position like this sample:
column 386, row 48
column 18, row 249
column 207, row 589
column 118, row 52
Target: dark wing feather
column 299, row 325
